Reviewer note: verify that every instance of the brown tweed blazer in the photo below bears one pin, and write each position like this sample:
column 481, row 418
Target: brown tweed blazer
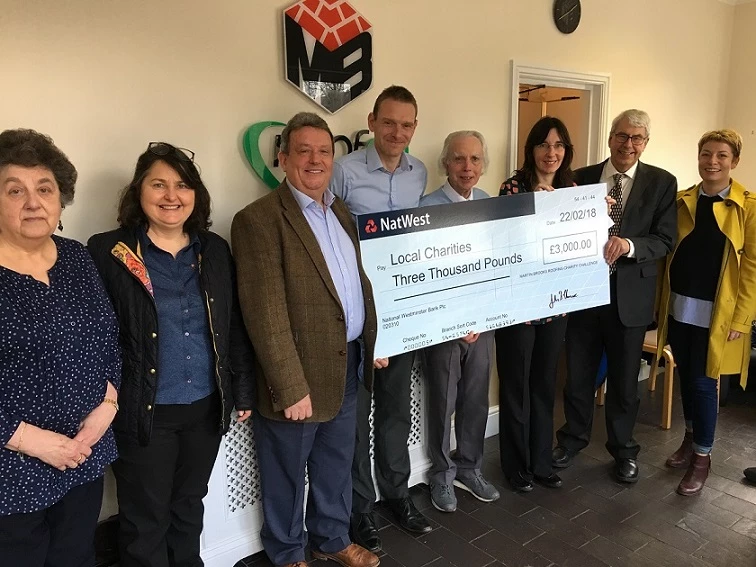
column 291, row 308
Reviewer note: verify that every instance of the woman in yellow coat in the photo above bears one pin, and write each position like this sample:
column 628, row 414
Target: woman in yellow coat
column 709, row 297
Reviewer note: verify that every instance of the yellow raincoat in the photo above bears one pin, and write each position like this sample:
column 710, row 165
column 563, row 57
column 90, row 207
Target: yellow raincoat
column 735, row 300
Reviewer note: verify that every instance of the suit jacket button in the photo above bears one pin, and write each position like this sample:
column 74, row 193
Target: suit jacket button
column 340, row 317
column 729, row 203
column 149, row 407
column 741, row 251
column 152, row 371
column 342, row 352
column 154, row 335
column 746, row 193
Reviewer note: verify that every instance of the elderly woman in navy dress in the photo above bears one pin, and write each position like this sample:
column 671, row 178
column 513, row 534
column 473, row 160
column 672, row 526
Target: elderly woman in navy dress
column 458, row 371
column 60, row 365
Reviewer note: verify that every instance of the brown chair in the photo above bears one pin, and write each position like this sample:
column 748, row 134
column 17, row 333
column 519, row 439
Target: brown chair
column 649, row 346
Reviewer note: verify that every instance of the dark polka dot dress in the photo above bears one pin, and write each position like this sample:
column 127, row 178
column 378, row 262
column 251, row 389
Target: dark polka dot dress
column 58, row 350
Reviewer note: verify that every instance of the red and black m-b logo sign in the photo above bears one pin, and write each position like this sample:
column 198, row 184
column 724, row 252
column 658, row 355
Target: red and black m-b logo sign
column 329, row 51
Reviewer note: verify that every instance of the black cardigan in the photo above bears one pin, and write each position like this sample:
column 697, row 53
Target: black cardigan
column 118, row 258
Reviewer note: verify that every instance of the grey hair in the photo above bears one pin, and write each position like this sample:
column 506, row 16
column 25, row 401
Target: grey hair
column 444, row 157
column 299, row 121
column 636, row 118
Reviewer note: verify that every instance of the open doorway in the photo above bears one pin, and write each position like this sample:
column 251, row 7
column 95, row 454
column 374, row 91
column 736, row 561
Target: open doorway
column 571, row 106
column 580, row 100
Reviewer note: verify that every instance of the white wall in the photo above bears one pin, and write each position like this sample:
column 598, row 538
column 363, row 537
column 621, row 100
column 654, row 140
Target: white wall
column 105, row 77
column 741, row 103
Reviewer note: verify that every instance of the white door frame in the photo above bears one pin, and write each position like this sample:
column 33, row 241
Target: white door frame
column 597, row 84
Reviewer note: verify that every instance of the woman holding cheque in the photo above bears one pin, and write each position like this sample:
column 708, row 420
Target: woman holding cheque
column 527, row 354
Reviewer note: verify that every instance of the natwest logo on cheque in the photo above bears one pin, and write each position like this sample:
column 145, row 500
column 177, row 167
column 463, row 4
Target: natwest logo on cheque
column 402, row 222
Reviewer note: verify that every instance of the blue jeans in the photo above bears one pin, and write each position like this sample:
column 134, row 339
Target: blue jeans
column 698, row 391
column 325, row 449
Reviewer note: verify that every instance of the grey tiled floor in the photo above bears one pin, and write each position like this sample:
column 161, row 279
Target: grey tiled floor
column 592, row 520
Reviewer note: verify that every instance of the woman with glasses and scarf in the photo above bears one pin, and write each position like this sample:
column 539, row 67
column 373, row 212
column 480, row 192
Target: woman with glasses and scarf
column 187, row 359
column 709, row 297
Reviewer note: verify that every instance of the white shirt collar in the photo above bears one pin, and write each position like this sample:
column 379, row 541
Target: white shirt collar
column 455, row 197
column 724, row 193
column 611, row 171
column 305, row 201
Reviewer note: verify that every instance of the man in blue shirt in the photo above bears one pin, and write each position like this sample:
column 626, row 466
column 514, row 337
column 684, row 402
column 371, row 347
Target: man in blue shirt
column 379, row 178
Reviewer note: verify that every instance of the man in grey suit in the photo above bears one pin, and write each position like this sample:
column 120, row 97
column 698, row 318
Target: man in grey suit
column 644, row 232
column 458, row 371
column 308, row 308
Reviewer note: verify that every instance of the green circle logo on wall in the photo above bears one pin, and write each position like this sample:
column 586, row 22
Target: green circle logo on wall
column 251, row 143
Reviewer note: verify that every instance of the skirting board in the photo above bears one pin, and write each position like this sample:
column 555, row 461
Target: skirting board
column 224, row 556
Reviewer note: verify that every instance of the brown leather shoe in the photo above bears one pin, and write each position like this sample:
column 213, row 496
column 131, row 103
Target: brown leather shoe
column 352, row 555
column 680, row 459
column 696, row 475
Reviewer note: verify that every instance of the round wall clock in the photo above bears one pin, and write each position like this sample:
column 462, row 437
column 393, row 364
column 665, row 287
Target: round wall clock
column 566, row 15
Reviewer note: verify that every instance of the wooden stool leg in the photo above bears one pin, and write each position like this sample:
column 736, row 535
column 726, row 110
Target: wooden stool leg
column 669, row 374
column 600, row 395
column 652, row 374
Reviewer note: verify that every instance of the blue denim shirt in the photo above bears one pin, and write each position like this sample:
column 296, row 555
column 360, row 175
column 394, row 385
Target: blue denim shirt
column 185, row 359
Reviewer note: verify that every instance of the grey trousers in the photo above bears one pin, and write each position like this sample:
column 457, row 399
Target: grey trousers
column 457, row 375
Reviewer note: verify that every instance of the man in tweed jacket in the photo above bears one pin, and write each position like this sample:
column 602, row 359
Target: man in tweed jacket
column 308, row 308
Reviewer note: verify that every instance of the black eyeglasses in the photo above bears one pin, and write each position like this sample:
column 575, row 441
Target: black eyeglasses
column 559, row 146
column 163, row 149
column 636, row 140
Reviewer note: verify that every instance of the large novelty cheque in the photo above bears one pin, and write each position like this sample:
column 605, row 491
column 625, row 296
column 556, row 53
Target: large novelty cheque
column 440, row 272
